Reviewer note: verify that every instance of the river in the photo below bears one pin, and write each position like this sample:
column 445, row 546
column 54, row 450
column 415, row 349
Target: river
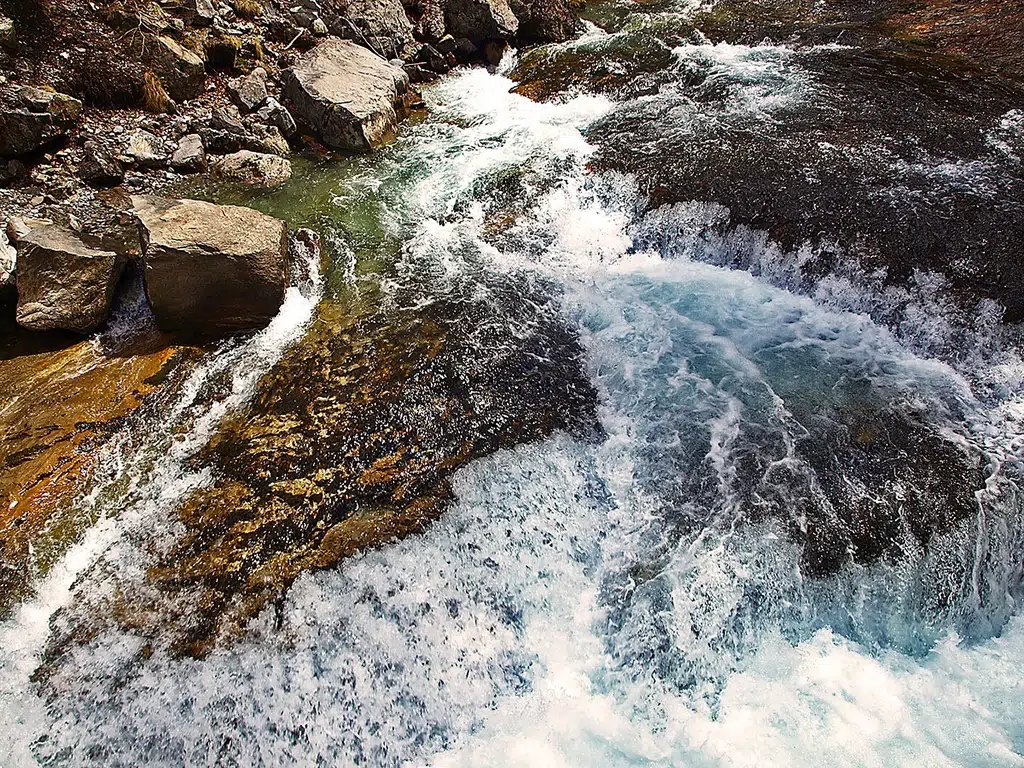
column 792, row 537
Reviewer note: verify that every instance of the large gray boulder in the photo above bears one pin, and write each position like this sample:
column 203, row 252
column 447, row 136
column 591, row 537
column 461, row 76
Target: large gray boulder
column 350, row 96
column 32, row 118
column 382, row 25
column 256, row 169
column 211, row 268
column 480, row 20
column 62, row 282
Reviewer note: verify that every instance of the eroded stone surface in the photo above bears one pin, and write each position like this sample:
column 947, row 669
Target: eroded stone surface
column 211, row 268
column 350, row 96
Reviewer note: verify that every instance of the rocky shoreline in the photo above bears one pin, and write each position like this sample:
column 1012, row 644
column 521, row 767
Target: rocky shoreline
column 229, row 90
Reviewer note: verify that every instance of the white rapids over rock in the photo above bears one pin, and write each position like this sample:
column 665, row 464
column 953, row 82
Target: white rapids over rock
column 558, row 614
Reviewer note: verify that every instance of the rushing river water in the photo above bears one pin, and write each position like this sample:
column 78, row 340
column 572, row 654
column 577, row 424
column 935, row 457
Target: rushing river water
column 689, row 586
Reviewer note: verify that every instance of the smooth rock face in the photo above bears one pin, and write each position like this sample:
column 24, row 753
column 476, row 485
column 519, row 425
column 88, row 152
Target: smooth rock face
column 182, row 72
column 347, row 94
column 211, row 268
column 62, row 282
column 480, row 20
column 254, row 168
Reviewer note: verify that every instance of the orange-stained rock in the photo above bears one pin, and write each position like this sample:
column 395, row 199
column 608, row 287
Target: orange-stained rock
column 58, row 407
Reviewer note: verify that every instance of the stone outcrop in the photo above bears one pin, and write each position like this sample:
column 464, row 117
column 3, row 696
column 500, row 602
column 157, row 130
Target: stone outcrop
column 33, row 118
column 182, row 72
column 352, row 98
column 254, row 168
column 62, row 282
column 211, row 268
column 480, row 20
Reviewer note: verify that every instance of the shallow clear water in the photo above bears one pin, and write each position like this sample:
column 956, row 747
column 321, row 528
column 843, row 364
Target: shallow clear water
column 612, row 603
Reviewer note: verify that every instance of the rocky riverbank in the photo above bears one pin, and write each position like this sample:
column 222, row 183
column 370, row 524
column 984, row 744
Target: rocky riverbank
column 104, row 104
column 834, row 153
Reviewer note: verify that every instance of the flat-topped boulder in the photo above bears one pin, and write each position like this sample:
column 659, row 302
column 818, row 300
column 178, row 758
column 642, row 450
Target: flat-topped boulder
column 349, row 96
column 211, row 268
column 63, row 283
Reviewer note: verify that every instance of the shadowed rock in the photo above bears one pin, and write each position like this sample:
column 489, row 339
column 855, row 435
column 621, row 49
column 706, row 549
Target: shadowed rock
column 62, row 282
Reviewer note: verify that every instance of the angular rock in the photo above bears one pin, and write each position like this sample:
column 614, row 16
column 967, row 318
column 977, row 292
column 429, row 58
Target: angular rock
column 431, row 23
column 99, row 168
column 190, row 156
column 254, row 168
column 8, row 261
column 64, row 109
column 35, row 118
column 380, row 24
column 201, row 13
column 146, row 149
column 62, row 282
column 350, row 96
column 544, row 21
column 480, row 20
column 8, row 38
column 249, row 92
column 211, row 268
column 274, row 113
column 182, row 72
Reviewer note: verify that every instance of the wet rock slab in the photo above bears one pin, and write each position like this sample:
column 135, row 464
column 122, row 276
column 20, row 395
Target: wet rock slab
column 64, row 399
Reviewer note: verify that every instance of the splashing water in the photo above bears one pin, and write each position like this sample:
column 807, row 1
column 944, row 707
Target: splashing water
column 614, row 603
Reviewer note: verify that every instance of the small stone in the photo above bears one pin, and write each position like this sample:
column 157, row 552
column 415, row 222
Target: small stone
column 318, row 27
column 274, row 113
column 146, row 150
column 100, row 169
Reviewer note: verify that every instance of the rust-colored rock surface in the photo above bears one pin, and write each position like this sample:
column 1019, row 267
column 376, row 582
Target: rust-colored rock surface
column 58, row 407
